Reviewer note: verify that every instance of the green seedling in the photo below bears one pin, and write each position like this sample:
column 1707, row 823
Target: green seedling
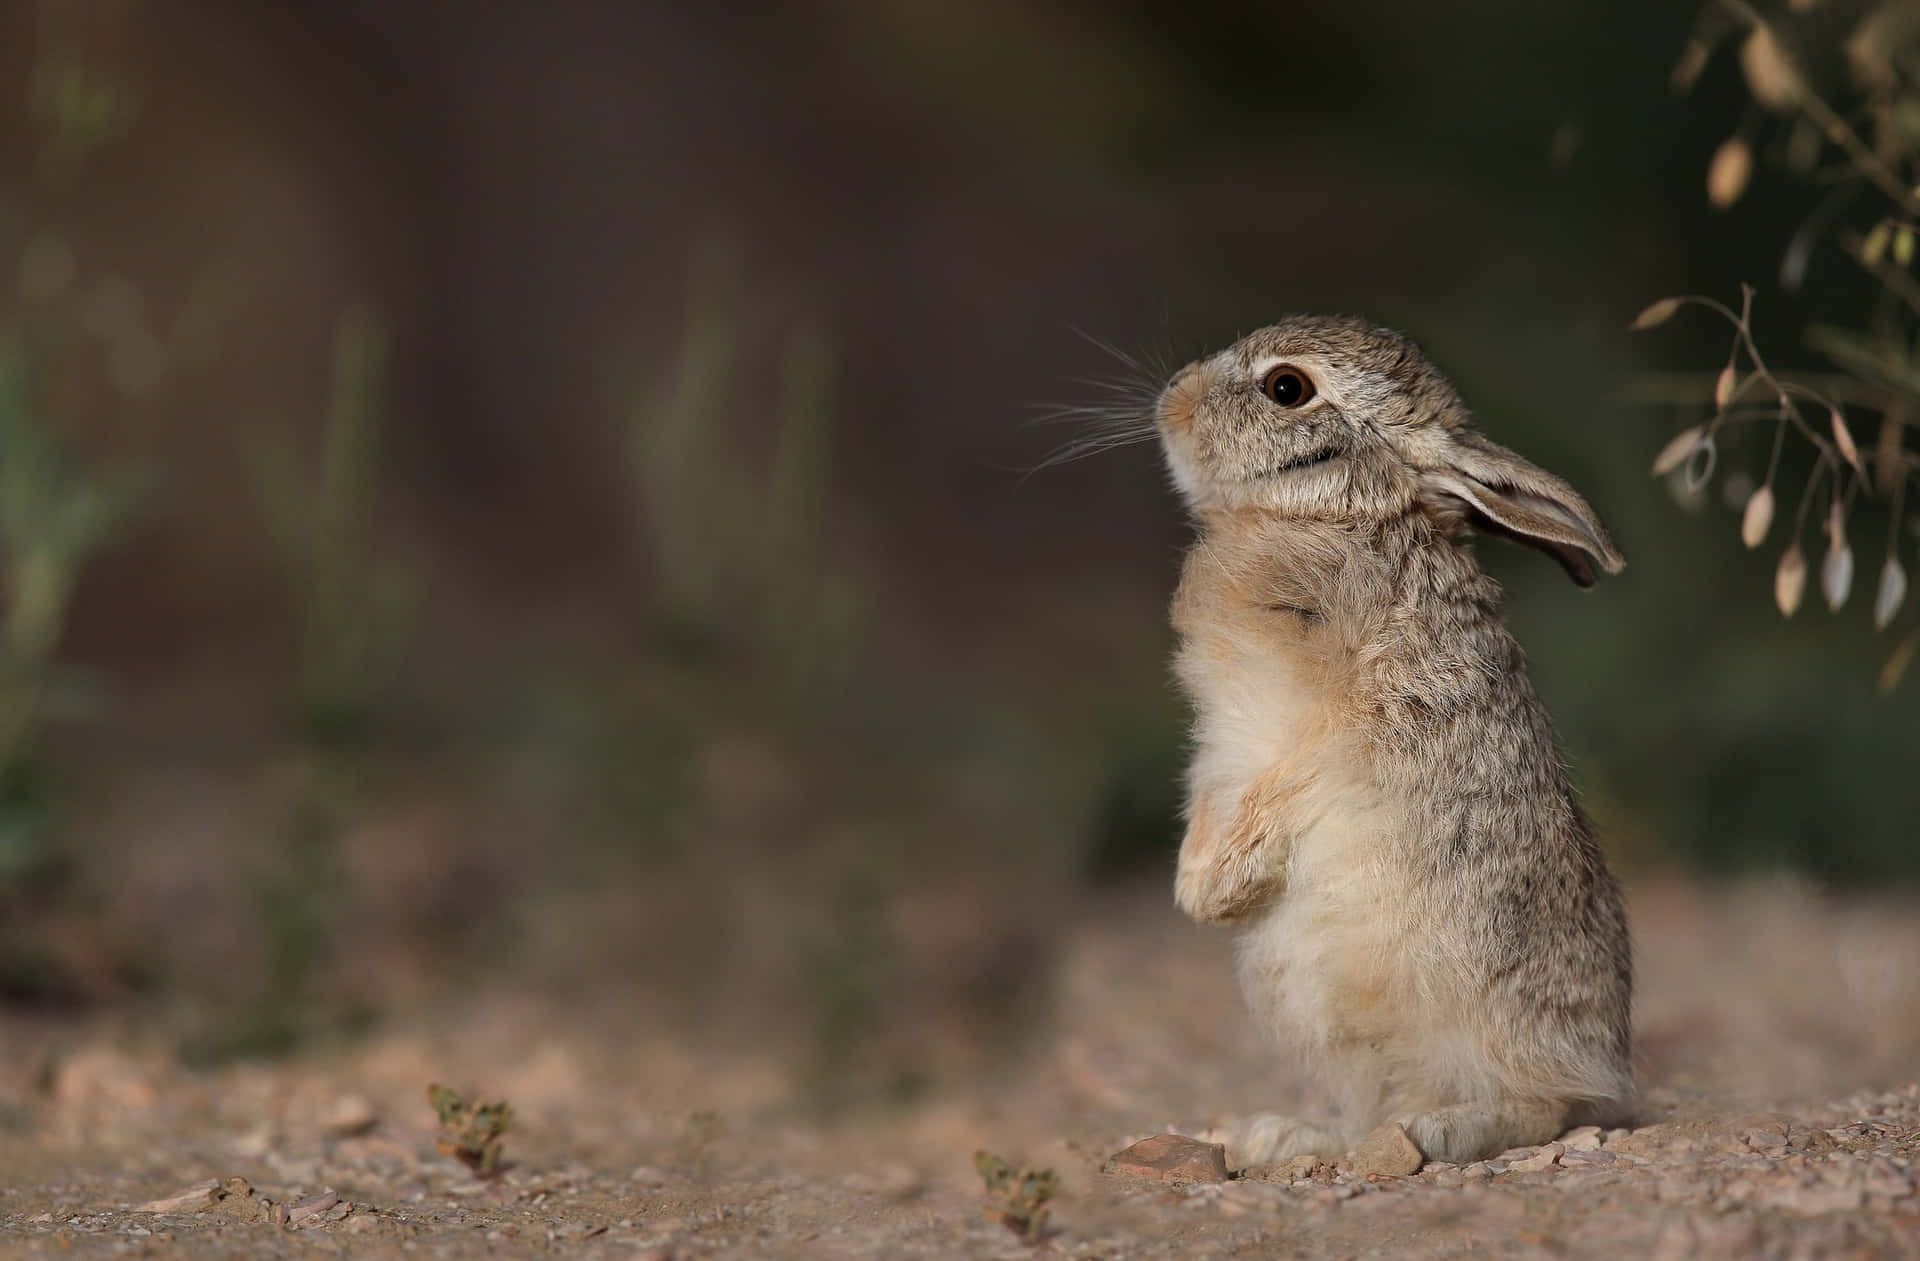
column 471, row 1133
column 1016, row 1198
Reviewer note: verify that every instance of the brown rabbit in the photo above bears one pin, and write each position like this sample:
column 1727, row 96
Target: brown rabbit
column 1376, row 796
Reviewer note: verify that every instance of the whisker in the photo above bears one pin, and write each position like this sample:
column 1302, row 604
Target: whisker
column 1122, row 417
column 1084, row 449
column 1100, row 343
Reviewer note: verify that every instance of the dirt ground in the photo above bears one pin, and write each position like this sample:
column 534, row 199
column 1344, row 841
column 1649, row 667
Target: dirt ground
column 1779, row 1034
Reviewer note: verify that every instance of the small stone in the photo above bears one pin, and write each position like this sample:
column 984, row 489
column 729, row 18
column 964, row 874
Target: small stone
column 312, row 1205
column 280, row 1215
column 1449, row 1178
column 1517, row 1153
column 1303, row 1166
column 1544, row 1159
column 1587, row 1158
column 1614, row 1136
column 1584, row 1139
column 1762, row 1131
column 1478, row 1171
column 40, row 1219
column 349, row 1115
column 1389, row 1151
column 199, row 1196
column 239, row 1187
column 1172, row 1158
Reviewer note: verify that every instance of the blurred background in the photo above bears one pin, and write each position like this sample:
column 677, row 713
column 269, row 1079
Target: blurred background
column 545, row 494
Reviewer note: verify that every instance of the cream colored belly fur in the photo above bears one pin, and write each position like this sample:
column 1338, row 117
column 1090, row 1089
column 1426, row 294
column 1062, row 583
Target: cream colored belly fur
column 1345, row 963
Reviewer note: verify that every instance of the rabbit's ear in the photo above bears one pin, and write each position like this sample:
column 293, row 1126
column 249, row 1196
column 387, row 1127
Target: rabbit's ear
column 1504, row 494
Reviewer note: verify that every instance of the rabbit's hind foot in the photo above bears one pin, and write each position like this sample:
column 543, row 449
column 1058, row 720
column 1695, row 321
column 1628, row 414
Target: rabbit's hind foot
column 1467, row 1132
column 1267, row 1138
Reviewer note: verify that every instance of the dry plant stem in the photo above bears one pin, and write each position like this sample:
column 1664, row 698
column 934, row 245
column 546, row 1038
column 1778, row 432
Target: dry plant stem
column 1779, row 440
column 1785, row 389
column 1806, row 496
column 1865, row 160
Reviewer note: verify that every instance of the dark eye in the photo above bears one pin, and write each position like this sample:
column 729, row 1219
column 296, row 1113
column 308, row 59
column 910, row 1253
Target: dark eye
column 1287, row 386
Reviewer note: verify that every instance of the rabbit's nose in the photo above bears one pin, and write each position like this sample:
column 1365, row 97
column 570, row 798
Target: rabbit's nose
column 1181, row 399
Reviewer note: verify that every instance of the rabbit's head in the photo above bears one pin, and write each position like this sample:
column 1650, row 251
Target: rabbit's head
column 1336, row 419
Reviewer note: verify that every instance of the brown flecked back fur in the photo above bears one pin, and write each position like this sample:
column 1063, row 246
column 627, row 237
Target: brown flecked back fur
column 1376, row 795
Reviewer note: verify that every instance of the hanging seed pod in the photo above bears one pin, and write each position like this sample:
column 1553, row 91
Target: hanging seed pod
column 1836, row 573
column 1898, row 661
column 1693, row 59
column 1655, row 315
column 1728, row 173
column 1723, row 386
column 1891, row 595
column 1874, row 248
column 1843, row 439
column 1675, row 453
column 1790, row 579
column 1758, row 518
column 1770, row 76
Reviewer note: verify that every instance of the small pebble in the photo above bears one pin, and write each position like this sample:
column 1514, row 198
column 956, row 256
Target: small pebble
column 1584, row 1139
column 1587, row 1157
column 312, row 1205
column 1546, row 1158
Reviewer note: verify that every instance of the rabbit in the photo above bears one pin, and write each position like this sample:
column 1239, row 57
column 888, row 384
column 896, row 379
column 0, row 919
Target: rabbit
column 1376, row 798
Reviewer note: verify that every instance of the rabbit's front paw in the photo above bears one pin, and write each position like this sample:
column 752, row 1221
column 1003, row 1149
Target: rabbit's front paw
column 1225, row 890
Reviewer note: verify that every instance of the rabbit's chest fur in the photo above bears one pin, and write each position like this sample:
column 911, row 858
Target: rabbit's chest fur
column 1268, row 680
column 1430, row 856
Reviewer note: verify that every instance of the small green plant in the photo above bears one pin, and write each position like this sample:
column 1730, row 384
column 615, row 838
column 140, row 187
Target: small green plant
column 54, row 517
column 359, row 605
column 358, row 608
column 472, row 1133
column 1016, row 1198
column 739, row 557
column 848, row 971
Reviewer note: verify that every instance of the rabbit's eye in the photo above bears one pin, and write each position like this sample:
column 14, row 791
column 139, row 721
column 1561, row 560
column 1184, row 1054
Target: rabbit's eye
column 1287, row 386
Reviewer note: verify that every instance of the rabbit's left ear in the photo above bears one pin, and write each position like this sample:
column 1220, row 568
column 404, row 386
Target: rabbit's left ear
column 1506, row 495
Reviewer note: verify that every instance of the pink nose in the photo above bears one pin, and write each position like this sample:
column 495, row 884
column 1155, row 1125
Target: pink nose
column 1181, row 399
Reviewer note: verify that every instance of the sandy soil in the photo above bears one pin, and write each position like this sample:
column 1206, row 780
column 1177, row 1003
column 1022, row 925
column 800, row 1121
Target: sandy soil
column 1780, row 1043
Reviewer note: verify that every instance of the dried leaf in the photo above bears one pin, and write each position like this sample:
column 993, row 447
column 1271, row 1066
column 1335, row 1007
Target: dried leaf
column 1891, row 595
column 1728, row 173
column 1723, row 387
column 1770, row 76
column 1874, row 248
column 1758, row 518
column 1836, row 574
column 1675, row 453
column 1657, row 314
column 1790, row 580
column 1898, row 661
column 1843, row 439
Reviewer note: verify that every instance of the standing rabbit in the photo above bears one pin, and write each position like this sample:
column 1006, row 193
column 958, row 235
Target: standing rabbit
column 1376, row 797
